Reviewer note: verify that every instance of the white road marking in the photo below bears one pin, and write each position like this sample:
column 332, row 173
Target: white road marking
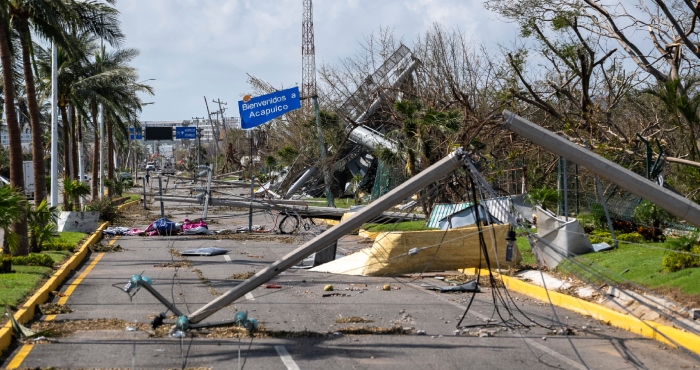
column 287, row 359
column 249, row 296
column 227, row 258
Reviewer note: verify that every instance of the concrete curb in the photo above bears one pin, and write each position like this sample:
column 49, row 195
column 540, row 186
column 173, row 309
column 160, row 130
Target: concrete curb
column 27, row 310
column 623, row 321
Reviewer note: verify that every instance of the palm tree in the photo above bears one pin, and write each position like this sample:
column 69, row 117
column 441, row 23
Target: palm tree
column 51, row 19
column 111, row 82
column 19, row 225
column 11, row 209
column 42, row 224
column 74, row 189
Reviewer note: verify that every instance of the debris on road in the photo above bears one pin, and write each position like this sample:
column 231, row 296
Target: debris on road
column 54, row 309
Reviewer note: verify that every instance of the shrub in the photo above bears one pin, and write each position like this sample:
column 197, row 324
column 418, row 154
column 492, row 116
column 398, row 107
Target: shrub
column 33, row 259
column 59, row 246
column 674, row 261
column 631, row 238
column 650, row 214
column 108, row 211
column 600, row 236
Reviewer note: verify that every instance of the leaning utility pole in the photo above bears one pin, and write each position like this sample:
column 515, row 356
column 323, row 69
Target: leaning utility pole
column 199, row 139
column 308, row 88
column 223, row 119
column 216, row 140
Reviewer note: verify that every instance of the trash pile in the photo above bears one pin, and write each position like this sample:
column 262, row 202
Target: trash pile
column 163, row 226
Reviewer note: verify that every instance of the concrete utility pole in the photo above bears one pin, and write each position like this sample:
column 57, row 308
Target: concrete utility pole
column 426, row 177
column 223, row 118
column 54, row 125
column 675, row 204
column 199, row 140
column 216, row 139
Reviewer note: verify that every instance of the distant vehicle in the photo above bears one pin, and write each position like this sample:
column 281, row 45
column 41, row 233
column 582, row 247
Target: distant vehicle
column 124, row 176
column 28, row 179
column 168, row 169
column 4, row 181
column 150, row 166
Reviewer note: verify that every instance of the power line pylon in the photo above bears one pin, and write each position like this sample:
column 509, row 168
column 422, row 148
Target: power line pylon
column 308, row 54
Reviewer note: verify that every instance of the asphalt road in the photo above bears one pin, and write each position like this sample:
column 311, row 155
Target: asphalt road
column 309, row 319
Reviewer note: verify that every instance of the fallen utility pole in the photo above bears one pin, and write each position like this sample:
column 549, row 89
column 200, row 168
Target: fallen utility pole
column 675, row 204
column 431, row 174
column 303, row 210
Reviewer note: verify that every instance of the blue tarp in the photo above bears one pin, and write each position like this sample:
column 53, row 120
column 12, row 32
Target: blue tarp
column 164, row 226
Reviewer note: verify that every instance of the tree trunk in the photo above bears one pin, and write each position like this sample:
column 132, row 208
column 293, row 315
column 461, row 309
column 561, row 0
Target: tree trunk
column 34, row 117
column 95, row 155
column 13, row 132
column 110, row 158
column 66, row 147
column 74, row 143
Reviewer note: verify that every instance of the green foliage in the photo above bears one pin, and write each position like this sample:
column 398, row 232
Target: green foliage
column 288, row 154
column 631, row 237
column 11, row 210
column 600, row 236
column 648, row 213
column 74, row 189
column 41, row 222
column 674, row 261
column 58, row 246
column 399, row 226
column 108, row 211
column 33, row 259
column 544, row 197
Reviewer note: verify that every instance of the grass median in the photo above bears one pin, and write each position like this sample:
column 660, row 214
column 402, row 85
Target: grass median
column 17, row 286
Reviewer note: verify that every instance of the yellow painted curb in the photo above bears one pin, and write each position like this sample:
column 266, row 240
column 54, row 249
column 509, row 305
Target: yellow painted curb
column 624, row 321
column 128, row 204
column 26, row 311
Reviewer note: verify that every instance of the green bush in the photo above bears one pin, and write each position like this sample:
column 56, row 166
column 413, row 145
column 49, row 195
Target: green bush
column 674, row 261
column 33, row 259
column 108, row 211
column 650, row 214
column 59, row 246
column 631, row 238
column 600, row 236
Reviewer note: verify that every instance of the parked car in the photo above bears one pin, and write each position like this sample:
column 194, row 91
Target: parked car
column 150, row 166
column 124, row 176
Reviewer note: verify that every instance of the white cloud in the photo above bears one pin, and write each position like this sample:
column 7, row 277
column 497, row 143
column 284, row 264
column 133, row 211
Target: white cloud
column 205, row 47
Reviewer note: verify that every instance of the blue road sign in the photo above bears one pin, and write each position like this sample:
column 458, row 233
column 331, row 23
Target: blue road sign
column 184, row 132
column 138, row 136
column 260, row 109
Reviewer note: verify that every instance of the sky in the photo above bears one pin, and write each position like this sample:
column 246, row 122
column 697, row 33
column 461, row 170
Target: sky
column 196, row 48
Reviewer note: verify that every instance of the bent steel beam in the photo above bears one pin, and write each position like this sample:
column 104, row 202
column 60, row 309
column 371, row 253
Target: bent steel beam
column 626, row 179
column 403, row 191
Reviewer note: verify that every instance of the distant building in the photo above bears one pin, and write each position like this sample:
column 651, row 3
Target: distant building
column 26, row 137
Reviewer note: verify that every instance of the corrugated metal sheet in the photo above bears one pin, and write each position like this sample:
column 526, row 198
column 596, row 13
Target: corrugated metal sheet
column 441, row 211
column 500, row 208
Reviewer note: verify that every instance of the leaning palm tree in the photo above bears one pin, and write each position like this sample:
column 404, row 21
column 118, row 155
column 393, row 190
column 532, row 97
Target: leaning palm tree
column 11, row 209
column 111, row 82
